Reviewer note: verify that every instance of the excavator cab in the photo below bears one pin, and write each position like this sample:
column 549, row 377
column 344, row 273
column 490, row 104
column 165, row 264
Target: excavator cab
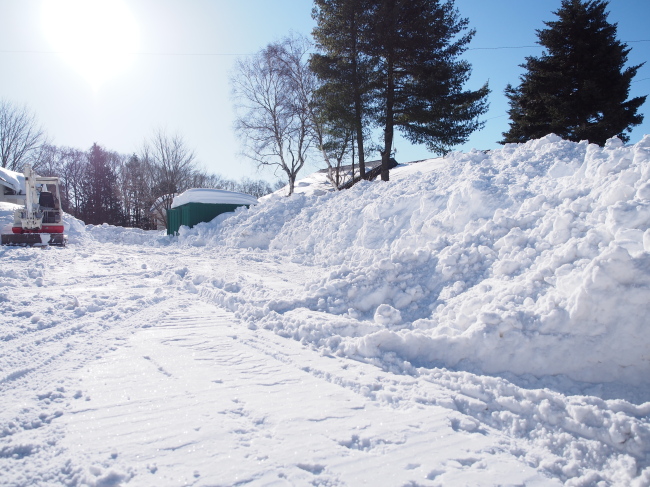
column 46, row 200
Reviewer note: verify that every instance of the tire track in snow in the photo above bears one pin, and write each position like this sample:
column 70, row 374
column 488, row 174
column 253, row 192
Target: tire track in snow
column 38, row 366
column 62, row 309
column 546, row 429
column 194, row 400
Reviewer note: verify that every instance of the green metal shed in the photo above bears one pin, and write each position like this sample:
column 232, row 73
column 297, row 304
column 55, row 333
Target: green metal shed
column 196, row 206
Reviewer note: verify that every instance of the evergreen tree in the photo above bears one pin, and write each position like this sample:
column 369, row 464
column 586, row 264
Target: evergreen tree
column 396, row 62
column 344, row 67
column 578, row 88
column 416, row 44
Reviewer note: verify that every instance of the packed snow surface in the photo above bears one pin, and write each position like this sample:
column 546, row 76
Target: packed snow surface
column 479, row 320
column 214, row 196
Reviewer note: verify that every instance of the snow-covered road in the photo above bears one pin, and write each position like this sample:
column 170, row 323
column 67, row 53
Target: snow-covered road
column 121, row 376
column 118, row 369
column 198, row 400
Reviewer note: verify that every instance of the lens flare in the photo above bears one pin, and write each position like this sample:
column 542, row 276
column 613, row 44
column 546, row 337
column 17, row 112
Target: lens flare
column 99, row 38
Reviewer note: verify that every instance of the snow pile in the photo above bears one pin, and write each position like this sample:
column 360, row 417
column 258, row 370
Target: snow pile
column 214, row 196
column 255, row 227
column 531, row 259
column 106, row 233
column 315, row 184
column 78, row 232
column 12, row 179
column 7, row 216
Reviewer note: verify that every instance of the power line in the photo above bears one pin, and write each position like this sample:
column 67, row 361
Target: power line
column 34, row 51
column 5, row 51
column 500, row 47
column 498, row 116
column 527, row 47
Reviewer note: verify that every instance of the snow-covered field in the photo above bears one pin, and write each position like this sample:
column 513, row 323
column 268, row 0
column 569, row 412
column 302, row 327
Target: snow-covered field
column 480, row 320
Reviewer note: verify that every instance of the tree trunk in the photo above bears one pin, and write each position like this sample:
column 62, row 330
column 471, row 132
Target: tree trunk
column 358, row 105
column 353, row 158
column 388, row 130
column 359, row 127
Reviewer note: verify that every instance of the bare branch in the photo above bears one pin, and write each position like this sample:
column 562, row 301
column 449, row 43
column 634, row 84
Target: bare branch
column 20, row 137
column 272, row 92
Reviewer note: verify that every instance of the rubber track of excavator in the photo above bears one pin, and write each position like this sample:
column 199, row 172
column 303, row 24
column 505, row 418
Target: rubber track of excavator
column 31, row 239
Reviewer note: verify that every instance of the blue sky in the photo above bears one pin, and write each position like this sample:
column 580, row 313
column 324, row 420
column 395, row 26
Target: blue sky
column 178, row 80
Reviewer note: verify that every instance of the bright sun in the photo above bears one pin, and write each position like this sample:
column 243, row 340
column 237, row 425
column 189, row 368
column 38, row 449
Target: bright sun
column 98, row 37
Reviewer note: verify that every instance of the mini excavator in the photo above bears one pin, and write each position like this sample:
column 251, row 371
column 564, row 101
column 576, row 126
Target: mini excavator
column 40, row 222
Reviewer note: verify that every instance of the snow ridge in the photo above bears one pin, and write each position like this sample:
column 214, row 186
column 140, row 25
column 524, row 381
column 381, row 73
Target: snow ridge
column 532, row 259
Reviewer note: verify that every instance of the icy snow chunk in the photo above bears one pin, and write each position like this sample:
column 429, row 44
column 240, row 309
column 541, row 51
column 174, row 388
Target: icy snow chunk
column 628, row 214
column 643, row 193
column 506, row 267
column 613, row 143
column 646, row 240
column 387, row 315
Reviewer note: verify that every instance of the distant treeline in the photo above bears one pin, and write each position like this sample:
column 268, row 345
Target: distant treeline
column 102, row 186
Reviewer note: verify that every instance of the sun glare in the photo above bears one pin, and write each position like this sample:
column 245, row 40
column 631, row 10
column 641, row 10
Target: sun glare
column 98, row 37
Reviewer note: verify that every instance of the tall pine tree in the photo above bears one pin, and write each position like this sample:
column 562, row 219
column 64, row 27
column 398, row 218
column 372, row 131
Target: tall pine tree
column 396, row 64
column 343, row 66
column 417, row 44
column 578, row 88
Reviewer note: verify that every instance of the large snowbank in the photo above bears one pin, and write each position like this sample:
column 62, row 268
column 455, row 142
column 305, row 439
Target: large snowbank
column 531, row 259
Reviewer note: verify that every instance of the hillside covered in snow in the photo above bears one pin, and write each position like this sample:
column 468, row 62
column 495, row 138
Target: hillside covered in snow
column 481, row 319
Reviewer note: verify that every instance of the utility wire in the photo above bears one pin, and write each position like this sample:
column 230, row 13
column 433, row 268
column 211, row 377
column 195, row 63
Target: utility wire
column 500, row 47
column 8, row 51
column 498, row 116
column 526, row 47
column 3, row 51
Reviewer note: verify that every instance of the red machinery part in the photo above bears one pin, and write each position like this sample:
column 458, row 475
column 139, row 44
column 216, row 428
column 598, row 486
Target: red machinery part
column 43, row 229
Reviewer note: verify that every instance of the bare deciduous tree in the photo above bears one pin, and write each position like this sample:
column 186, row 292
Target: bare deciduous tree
column 333, row 142
column 49, row 160
column 135, row 188
column 172, row 165
column 72, row 165
column 256, row 188
column 20, row 137
column 171, row 160
column 273, row 113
